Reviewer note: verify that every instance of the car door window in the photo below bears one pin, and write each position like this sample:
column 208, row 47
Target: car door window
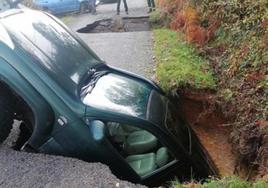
column 140, row 148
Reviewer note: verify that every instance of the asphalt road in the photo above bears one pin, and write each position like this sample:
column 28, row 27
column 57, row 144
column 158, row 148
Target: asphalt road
column 25, row 170
column 19, row 169
column 130, row 51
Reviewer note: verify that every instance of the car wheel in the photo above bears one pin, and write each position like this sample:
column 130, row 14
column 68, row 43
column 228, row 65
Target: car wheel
column 83, row 8
column 6, row 113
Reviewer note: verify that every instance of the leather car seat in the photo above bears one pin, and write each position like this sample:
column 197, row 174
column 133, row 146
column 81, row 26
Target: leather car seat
column 144, row 164
column 139, row 142
column 134, row 140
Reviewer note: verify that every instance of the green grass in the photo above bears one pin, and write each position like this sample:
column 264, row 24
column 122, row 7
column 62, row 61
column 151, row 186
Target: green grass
column 159, row 19
column 154, row 17
column 67, row 19
column 178, row 63
column 227, row 182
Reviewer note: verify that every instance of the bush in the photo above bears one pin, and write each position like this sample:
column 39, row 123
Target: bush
column 233, row 35
column 226, row 182
column 159, row 18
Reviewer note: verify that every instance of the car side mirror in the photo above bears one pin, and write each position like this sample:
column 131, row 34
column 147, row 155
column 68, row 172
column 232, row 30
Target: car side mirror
column 98, row 130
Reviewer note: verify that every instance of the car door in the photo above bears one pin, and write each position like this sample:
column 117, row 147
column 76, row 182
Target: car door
column 143, row 151
column 69, row 5
column 52, row 6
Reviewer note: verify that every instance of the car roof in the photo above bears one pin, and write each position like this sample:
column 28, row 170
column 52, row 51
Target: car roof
column 5, row 38
column 49, row 45
column 4, row 34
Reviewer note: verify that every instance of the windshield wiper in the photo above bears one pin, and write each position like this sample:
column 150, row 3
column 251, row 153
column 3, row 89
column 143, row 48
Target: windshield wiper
column 94, row 76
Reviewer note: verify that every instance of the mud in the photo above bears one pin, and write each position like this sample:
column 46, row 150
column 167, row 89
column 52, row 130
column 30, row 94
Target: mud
column 211, row 128
column 117, row 24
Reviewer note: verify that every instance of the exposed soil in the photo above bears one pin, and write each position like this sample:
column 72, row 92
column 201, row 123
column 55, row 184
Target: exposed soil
column 117, row 24
column 211, row 128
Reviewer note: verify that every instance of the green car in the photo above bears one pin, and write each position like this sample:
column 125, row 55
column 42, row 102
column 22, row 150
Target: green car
column 71, row 103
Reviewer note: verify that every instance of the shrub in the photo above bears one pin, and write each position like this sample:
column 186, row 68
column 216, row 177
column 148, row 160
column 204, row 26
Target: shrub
column 159, row 18
column 233, row 35
column 226, row 182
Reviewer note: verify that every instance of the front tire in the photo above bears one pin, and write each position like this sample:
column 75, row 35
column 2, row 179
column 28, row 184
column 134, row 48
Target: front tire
column 6, row 112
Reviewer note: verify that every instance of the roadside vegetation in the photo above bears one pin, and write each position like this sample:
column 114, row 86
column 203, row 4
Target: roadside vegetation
column 178, row 63
column 223, row 46
column 227, row 182
column 67, row 19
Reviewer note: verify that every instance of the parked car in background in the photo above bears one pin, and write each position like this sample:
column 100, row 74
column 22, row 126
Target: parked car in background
column 108, row 1
column 73, row 104
column 63, row 6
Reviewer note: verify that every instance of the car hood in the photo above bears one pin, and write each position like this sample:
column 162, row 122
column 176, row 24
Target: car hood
column 119, row 94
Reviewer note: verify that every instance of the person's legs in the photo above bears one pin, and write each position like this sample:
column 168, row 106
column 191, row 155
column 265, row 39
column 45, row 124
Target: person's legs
column 89, row 5
column 153, row 4
column 149, row 5
column 93, row 7
column 126, row 7
column 118, row 6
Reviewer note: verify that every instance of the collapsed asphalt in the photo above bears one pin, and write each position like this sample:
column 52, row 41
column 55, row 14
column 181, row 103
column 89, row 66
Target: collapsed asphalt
column 20, row 169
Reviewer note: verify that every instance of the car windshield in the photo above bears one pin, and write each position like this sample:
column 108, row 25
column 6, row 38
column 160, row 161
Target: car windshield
column 58, row 52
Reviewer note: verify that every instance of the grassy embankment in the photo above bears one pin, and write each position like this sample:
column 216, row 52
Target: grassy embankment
column 227, row 182
column 232, row 38
column 178, row 63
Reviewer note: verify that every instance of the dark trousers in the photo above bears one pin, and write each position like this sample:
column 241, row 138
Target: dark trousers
column 93, row 5
column 125, row 4
column 151, row 4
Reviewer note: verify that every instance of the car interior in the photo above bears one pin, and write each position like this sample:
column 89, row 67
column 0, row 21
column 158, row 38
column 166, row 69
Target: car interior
column 141, row 149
